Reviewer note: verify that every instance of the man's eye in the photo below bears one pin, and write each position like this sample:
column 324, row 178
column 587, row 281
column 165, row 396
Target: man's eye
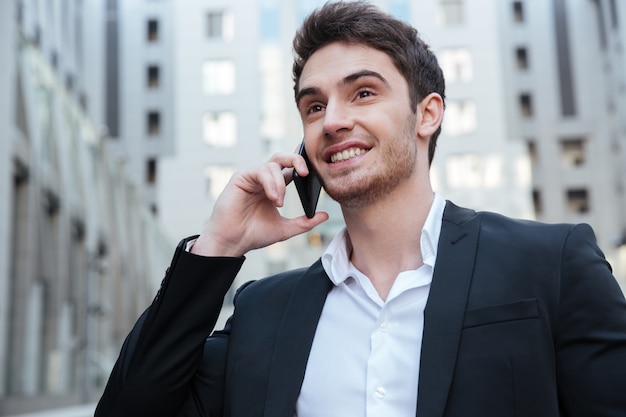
column 313, row 108
column 364, row 93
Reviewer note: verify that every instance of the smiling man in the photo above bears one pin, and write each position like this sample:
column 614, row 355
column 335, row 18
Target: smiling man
column 417, row 308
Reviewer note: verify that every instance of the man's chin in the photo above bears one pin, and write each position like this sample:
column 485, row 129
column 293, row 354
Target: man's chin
column 352, row 197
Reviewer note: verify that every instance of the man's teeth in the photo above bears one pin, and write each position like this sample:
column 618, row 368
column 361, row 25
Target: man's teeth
column 347, row 154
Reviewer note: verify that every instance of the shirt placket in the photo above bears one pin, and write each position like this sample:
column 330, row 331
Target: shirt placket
column 377, row 397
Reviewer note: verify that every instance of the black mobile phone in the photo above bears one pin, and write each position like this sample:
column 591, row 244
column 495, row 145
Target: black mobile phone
column 308, row 187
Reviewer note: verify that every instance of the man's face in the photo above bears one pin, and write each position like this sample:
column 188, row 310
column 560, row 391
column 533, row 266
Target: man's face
column 359, row 128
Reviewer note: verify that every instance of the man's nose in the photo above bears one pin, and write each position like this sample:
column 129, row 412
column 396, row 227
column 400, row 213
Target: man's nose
column 337, row 117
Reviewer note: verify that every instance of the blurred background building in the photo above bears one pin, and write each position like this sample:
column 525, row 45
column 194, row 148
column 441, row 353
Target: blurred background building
column 122, row 120
column 81, row 251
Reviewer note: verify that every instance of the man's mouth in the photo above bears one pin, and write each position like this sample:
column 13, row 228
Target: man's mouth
column 346, row 154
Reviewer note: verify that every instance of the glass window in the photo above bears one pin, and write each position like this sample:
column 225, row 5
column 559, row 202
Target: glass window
column 220, row 129
column 153, row 76
column 492, row 170
column 470, row 171
column 451, row 13
column 153, row 123
column 217, row 176
column 463, row 171
column 531, row 147
column 573, row 152
column 521, row 55
column 456, row 64
column 220, row 25
column 152, row 30
column 218, row 77
column 460, row 118
column 526, row 105
column 151, row 171
column 578, row 200
column 537, row 201
column 518, row 11
column 270, row 24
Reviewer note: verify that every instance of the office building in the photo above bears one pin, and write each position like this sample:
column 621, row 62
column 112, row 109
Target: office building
column 81, row 255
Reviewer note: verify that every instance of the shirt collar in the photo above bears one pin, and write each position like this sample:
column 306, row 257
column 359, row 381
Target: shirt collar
column 336, row 260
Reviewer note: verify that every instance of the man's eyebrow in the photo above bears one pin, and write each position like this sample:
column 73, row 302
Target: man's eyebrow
column 348, row 79
column 306, row 92
column 363, row 73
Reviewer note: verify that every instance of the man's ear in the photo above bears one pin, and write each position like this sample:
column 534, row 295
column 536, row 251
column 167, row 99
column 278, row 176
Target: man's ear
column 431, row 110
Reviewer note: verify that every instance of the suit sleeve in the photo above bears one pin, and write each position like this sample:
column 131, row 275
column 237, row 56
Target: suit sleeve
column 591, row 332
column 154, row 373
column 206, row 393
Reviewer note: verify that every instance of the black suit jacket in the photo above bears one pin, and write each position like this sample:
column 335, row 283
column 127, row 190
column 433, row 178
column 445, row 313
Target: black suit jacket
column 523, row 319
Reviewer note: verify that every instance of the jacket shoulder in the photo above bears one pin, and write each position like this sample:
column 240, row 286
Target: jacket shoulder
column 275, row 287
column 491, row 220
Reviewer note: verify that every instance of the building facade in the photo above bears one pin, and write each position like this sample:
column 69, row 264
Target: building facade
column 140, row 36
column 566, row 90
column 81, row 254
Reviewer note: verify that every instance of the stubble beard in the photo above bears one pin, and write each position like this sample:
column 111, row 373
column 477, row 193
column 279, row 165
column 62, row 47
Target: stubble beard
column 360, row 188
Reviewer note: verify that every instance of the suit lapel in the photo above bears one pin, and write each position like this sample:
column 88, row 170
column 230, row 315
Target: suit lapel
column 445, row 309
column 293, row 342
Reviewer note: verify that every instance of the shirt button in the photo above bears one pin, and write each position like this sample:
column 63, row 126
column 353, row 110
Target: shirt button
column 384, row 327
column 380, row 393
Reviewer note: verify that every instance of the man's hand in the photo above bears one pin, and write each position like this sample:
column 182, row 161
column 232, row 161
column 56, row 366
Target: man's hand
column 246, row 215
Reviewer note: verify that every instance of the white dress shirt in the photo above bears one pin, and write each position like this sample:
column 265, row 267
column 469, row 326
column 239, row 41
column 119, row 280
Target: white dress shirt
column 365, row 356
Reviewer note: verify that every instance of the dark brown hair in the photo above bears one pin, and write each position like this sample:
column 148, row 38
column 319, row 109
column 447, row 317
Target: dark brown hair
column 360, row 22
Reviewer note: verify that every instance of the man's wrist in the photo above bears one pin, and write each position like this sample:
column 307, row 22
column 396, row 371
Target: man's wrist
column 209, row 246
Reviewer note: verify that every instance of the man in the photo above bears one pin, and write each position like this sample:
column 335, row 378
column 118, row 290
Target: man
column 418, row 307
